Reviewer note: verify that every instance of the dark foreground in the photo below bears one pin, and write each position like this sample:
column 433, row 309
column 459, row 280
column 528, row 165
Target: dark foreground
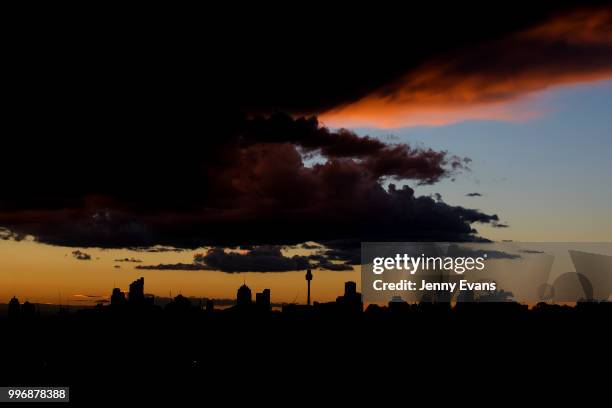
column 487, row 350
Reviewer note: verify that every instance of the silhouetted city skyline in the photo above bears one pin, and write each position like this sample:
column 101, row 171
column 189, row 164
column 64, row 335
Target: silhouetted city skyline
column 350, row 303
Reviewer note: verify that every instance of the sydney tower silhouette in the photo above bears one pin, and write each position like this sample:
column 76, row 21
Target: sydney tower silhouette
column 308, row 279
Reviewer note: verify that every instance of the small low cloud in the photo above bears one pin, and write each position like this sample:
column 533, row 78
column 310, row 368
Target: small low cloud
column 175, row 267
column 531, row 251
column 81, row 256
column 458, row 250
column 306, row 245
column 350, row 256
column 157, row 248
column 330, row 266
column 132, row 260
column 8, row 235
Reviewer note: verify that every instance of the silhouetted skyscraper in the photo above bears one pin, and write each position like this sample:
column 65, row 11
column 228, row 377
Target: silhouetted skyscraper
column 350, row 288
column 117, row 297
column 308, row 279
column 262, row 300
column 351, row 301
column 14, row 308
column 136, row 293
column 210, row 306
column 243, row 297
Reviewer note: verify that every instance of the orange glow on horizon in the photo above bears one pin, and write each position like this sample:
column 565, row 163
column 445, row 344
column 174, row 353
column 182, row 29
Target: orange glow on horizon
column 51, row 275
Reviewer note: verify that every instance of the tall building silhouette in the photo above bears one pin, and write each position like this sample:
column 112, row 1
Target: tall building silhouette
column 308, row 279
column 136, row 292
column 117, row 297
column 350, row 288
column 262, row 300
column 136, row 295
column 14, row 308
column 243, row 296
column 351, row 300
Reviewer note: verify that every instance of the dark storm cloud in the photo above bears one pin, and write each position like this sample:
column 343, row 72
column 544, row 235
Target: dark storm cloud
column 329, row 259
column 81, row 256
column 380, row 159
column 350, row 256
column 335, row 266
column 315, row 70
column 247, row 190
column 281, row 64
column 306, row 133
column 112, row 145
column 472, row 215
column 265, row 258
column 317, row 257
column 259, row 259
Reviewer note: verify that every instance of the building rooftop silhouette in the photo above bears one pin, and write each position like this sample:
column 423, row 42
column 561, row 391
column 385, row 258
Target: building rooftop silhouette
column 262, row 300
column 136, row 292
column 243, row 296
column 14, row 308
column 351, row 300
column 117, row 297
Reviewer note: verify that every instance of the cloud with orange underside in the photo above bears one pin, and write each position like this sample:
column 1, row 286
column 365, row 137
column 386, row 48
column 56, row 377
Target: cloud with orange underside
column 497, row 80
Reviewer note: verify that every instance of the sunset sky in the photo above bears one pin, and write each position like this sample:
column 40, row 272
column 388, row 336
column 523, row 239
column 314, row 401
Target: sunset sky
column 503, row 134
